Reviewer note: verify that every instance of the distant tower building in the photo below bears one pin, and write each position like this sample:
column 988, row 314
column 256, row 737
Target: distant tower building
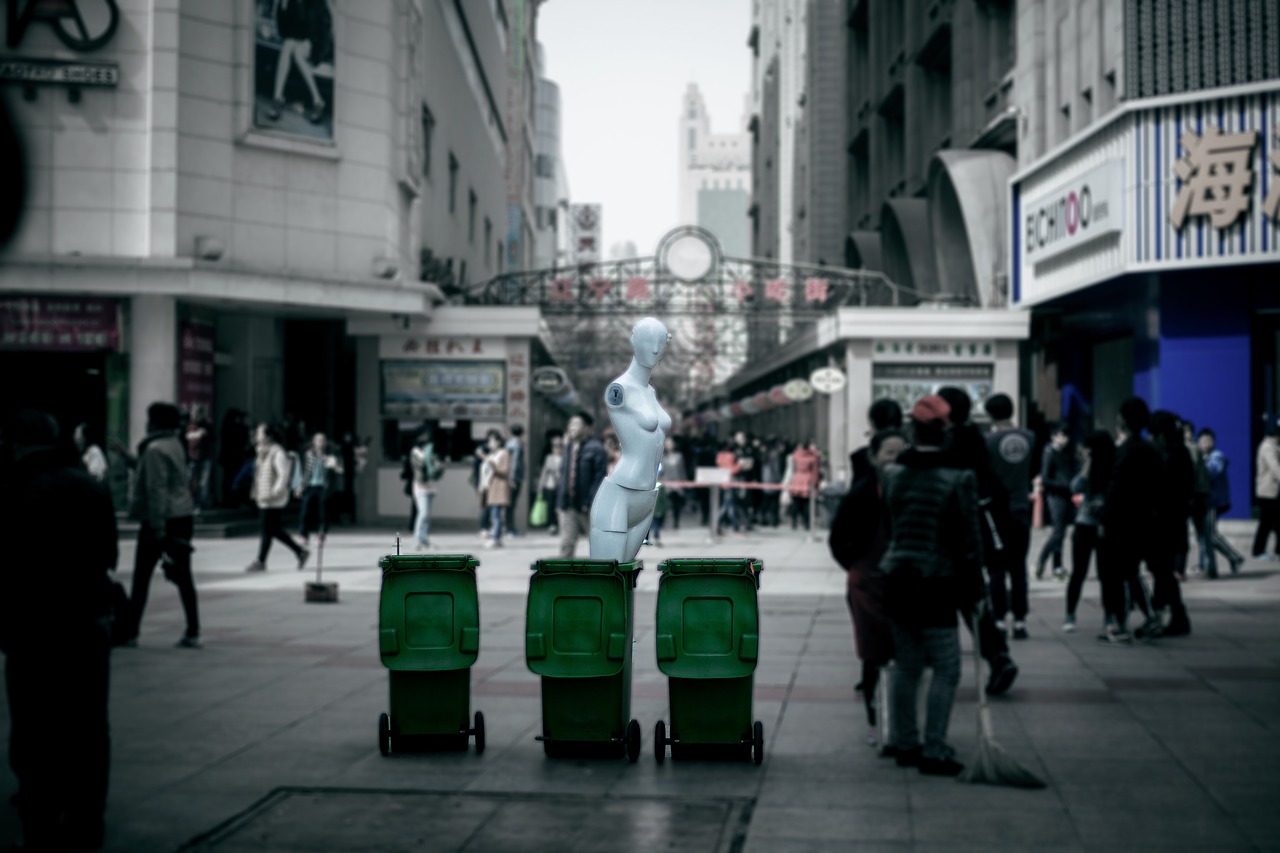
column 715, row 176
column 551, row 189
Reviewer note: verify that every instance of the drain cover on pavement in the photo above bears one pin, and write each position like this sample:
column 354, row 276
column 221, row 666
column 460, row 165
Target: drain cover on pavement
column 319, row 820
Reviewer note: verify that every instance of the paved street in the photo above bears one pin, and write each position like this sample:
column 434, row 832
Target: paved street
column 265, row 740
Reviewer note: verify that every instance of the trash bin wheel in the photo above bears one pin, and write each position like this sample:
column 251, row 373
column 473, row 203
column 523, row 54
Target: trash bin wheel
column 660, row 741
column 384, row 734
column 757, row 744
column 478, row 731
column 551, row 749
column 633, row 741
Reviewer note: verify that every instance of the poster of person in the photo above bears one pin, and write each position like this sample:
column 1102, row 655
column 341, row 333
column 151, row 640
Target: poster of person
column 293, row 57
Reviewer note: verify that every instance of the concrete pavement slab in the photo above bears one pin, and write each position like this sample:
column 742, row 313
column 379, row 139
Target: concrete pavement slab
column 266, row 738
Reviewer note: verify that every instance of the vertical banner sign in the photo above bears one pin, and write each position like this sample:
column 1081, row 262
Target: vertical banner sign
column 584, row 225
column 195, row 366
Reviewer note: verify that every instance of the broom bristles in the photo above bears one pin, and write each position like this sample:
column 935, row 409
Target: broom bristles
column 994, row 766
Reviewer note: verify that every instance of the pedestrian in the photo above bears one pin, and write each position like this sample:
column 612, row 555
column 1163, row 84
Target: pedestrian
column 233, row 451
column 883, row 414
column 199, row 439
column 272, row 481
column 549, row 478
column 1212, row 541
column 801, row 480
column 515, row 451
column 661, row 506
column 480, row 477
column 967, row 451
column 932, row 569
column 772, row 466
column 1199, row 497
column 425, row 467
column 728, row 460
column 162, row 504
column 673, row 471
column 498, row 491
column 55, row 636
column 91, row 455
column 1056, row 470
column 580, row 477
column 1089, row 485
column 406, row 477
column 1009, row 448
column 1128, row 524
column 612, row 450
column 748, row 462
column 1266, row 489
column 320, row 472
column 1167, row 557
column 858, row 540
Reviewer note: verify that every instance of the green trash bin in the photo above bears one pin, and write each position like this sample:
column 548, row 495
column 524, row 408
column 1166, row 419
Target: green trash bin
column 578, row 629
column 429, row 637
column 707, row 635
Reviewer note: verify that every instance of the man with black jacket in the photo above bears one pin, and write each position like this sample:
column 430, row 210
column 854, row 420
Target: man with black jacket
column 933, row 567
column 55, row 632
column 968, row 452
column 1129, row 522
column 583, row 469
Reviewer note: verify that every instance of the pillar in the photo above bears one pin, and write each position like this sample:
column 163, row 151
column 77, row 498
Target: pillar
column 153, row 358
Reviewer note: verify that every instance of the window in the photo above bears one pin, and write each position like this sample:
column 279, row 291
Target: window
column 545, row 166
column 453, row 183
column 471, row 216
column 693, row 138
column 428, row 128
column 488, row 239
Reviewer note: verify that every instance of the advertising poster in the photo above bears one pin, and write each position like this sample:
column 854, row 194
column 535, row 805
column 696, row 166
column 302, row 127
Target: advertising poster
column 195, row 366
column 59, row 324
column 444, row 390
column 293, row 61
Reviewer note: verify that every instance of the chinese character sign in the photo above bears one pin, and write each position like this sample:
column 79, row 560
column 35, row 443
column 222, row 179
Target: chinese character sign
column 59, row 324
column 195, row 365
column 584, row 233
column 1271, row 204
column 1217, row 174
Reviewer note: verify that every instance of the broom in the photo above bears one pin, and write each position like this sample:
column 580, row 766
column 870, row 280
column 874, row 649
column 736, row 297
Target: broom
column 993, row 766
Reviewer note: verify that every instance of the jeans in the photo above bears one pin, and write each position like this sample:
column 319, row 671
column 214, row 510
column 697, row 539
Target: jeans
column 1011, row 563
column 422, row 517
column 177, row 569
column 1211, row 542
column 1268, row 523
column 729, row 509
column 496, row 514
column 199, row 471
column 273, row 528
column 914, row 649
column 1084, row 544
column 1059, row 515
column 311, row 515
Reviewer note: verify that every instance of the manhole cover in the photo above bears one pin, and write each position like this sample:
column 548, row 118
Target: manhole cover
column 293, row 820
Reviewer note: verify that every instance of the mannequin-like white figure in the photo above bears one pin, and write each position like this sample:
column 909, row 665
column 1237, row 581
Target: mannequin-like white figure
column 623, row 507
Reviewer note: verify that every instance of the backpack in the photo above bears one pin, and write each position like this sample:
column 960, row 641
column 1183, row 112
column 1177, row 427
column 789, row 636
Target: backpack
column 432, row 470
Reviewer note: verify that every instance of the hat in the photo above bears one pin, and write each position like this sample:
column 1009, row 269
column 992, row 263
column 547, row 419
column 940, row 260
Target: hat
column 931, row 408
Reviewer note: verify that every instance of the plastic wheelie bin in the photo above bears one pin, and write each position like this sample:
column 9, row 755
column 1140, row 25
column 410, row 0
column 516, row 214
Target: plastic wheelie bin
column 578, row 629
column 707, row 635
column 429, row 637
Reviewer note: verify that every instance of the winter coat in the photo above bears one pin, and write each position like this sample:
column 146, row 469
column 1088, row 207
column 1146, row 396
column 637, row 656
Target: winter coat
column 1267, row 484
column 933, row 564
column 1173, row 498
column 1215, row 465
column 1055, row 472
column 804, row 472
column 162, row 485
column 592, row 463
column 499, row 491
column 1129, row 510
column 271, row 477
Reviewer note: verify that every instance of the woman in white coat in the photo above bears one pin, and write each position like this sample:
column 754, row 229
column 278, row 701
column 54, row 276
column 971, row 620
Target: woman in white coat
column 272, row 481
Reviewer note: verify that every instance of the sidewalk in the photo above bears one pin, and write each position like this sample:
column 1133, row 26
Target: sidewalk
column 266, row 739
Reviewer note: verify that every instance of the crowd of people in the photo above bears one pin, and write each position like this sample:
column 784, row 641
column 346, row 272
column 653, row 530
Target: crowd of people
column 935, row 530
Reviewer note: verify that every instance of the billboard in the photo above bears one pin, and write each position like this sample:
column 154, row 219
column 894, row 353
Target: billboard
column 584, row 233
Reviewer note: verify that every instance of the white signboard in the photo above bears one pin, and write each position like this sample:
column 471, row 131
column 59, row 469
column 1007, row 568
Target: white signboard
column 827, row 380
column 584, row 233
column 1086, row 207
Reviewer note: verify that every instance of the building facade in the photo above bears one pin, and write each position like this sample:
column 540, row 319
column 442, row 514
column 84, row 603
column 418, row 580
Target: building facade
column 233, row 187
column 551, row 186
column 1143, row 227
column 715, row 176
column 521, row 110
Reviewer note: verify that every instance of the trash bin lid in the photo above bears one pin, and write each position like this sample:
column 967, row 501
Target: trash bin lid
column 577, row 619
column 429, row 616
column 708, row 618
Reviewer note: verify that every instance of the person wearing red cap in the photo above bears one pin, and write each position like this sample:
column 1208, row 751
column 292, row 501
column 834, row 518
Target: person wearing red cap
column 932, row 568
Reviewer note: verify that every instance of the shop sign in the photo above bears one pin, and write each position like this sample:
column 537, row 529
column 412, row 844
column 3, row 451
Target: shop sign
column 933, row 350
column 444, row 389
column 195, row 365
column 827, row 380
column 585, row 227
column 459, row 347
column 548, row 380
column 1216, row 175
column 1090, row 205
column 59, row 324
column 81, row 25
column 518, row 384
column 57, row 72
column 798, row 390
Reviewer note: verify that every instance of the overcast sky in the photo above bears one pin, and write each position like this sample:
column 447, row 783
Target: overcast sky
column 622, row 67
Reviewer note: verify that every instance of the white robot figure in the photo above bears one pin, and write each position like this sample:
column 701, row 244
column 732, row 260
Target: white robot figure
column 623, row 507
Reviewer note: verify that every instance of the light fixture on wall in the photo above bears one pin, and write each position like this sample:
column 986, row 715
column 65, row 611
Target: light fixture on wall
column 385, row 267
column 209, row 248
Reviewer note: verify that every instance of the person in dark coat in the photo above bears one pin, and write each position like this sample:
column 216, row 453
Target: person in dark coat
column 932, row 569
column 883, row 414
column 581, row 474
column 1056, row 470
column 55, row 632
column 858, row 540
column 1173, row 499
column 1128, row 523
column 968, row 451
